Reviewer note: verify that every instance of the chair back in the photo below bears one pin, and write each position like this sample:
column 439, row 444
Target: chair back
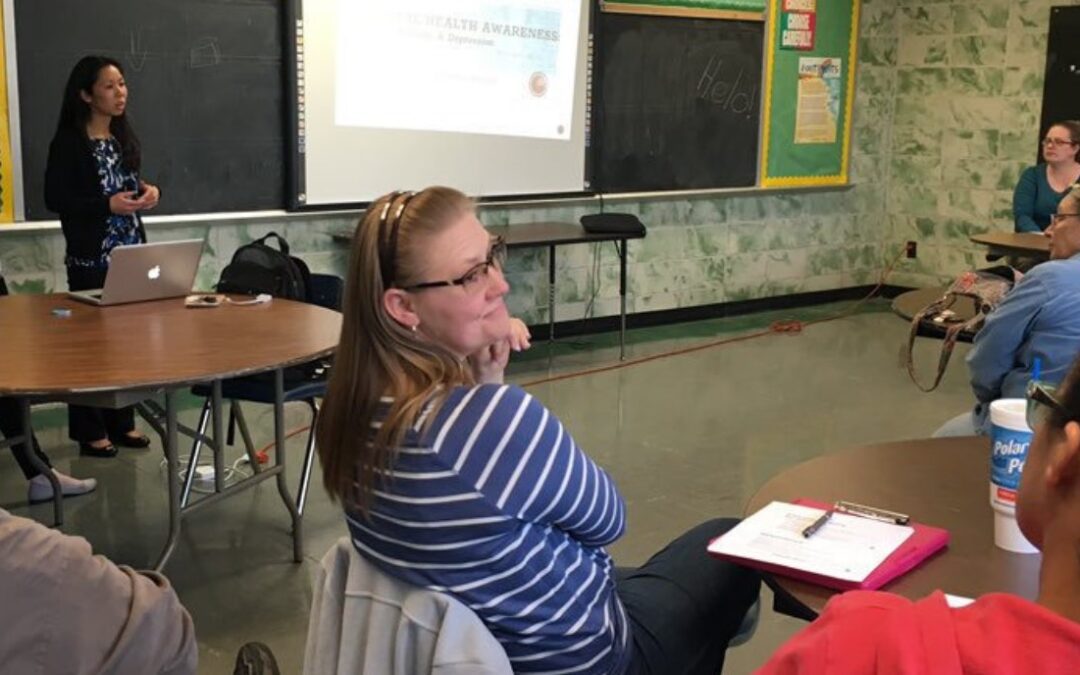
column 326, row 290
column 365, row 621
column 3, row 286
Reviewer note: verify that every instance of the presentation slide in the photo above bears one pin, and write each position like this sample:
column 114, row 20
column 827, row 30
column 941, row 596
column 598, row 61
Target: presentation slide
column 479, row 67
column 488, row 96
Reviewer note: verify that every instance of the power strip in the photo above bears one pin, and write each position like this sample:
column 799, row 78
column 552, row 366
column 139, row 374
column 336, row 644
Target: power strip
column 204, row 474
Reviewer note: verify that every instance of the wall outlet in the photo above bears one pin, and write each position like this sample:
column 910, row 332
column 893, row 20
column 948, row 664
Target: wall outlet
column 911, row 250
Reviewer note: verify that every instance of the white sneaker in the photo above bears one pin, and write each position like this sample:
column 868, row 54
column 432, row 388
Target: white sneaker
column 40, row 489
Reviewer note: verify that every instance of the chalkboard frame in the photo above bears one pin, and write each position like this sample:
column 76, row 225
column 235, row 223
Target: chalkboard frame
column 201, row 41
column 605, row 184
column 293, row 169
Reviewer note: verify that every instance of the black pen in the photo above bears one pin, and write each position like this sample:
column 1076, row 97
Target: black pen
column 817, row 524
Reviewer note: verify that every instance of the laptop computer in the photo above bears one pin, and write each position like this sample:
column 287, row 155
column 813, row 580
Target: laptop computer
column 141, row 272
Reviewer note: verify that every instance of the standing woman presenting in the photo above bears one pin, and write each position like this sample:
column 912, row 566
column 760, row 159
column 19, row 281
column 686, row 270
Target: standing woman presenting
column 92, row 181
column 1041, row 187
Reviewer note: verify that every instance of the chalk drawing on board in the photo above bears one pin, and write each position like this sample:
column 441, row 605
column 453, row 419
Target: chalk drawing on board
column 137, row 53
column 205, row 53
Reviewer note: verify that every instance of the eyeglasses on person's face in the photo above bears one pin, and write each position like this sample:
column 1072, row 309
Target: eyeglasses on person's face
column 1057, row 142
column 477, row 276
column 1058, row 218
column 1042, row 401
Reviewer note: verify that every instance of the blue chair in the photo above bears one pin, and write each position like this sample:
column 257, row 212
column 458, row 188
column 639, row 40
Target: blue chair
column 304, row 383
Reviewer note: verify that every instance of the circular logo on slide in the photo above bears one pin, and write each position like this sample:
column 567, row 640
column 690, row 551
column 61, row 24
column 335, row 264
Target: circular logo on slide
column 538, row 84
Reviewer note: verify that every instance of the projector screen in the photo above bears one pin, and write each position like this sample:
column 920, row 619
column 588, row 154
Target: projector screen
column 486, row 96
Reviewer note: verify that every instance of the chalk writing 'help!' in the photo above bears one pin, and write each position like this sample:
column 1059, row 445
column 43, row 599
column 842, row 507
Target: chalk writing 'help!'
column 717, row 87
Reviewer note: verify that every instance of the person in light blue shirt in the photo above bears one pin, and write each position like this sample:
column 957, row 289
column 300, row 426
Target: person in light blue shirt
column 1042, row 187
column 1039, row 320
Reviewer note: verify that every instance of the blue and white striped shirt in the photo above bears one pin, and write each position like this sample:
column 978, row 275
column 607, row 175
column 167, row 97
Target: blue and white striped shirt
column 497, row 506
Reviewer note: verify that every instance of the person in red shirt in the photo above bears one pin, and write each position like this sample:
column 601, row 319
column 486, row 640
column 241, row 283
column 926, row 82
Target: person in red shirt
column 870, row 632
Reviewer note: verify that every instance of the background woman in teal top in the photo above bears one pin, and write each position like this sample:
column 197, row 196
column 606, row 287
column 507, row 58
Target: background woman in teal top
column 1042, row 186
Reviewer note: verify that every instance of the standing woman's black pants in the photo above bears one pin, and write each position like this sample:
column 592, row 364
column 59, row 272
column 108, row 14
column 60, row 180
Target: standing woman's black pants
column 85, row 423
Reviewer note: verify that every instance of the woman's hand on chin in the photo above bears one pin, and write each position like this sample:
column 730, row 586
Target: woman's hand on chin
column 520, row 337
column 489, row 363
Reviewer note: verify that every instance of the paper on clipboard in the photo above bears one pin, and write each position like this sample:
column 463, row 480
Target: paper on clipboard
column 847, row 547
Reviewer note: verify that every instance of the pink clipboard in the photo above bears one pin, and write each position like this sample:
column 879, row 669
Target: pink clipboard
column 921, row 545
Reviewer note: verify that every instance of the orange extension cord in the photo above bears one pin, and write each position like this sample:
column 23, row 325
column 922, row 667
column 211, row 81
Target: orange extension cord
column 791, row 327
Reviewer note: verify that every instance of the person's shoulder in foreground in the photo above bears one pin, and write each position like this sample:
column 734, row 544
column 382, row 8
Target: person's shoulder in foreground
column 872, row 632
column 66, row 610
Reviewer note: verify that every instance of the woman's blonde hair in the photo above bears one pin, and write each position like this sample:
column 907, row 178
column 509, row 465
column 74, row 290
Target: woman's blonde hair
column 377, row 357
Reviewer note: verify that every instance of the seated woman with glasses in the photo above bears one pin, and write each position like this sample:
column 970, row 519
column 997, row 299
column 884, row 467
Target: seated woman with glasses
column 1042, row 187
column 871, row 632
column 1037, row 321
column 455, row 482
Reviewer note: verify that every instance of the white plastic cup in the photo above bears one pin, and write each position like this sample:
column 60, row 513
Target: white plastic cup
column 1010, row 438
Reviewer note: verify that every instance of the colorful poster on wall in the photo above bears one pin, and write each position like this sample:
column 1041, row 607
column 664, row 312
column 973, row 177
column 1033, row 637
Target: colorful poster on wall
column 818, row 111
column 7, row 176
column 799, row 24
column 808, row 96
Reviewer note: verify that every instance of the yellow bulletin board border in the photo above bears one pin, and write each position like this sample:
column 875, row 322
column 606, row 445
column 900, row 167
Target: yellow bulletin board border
column 7, row 181
column 684, row 12
column 849, row 105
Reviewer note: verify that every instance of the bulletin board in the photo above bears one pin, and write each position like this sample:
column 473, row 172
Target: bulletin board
column 809, row 92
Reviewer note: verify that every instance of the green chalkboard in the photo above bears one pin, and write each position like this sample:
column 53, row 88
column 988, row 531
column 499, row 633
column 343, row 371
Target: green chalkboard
column 677, row 103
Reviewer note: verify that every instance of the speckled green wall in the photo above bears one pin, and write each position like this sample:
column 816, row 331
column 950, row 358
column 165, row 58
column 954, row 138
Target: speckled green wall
column 967, row 79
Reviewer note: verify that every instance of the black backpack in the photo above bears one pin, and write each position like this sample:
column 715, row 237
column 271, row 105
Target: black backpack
column 259, row 268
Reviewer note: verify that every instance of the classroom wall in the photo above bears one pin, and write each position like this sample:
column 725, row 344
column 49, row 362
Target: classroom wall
column 966, row 78
column 946, row 115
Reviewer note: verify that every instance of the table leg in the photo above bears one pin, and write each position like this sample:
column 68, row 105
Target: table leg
column 40, row 466
column 219, row 434
column 785, row 603
column 172, row 475
column 621, row 247
column 196, row 451
column 249, row 446
column 551, row 294
column 279, row 457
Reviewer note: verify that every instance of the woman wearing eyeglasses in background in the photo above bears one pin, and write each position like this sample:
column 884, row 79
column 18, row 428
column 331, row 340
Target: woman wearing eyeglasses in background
column 1042, row 186
column 452, row 481
column 869, row 632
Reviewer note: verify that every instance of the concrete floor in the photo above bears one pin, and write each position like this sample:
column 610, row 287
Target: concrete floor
column 686, row 438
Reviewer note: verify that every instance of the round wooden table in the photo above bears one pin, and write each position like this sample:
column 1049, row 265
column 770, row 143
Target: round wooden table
column 149, row 345
column 114, row 356
column 942, row 482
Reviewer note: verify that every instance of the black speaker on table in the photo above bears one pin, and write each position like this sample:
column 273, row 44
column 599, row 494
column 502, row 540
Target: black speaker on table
column 613, row 223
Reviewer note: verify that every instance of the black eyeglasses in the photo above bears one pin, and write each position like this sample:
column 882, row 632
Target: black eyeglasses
column 1041, row 401
column 473, row 279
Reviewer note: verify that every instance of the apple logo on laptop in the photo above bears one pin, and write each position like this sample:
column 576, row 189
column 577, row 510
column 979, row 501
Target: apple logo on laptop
column 154, row 272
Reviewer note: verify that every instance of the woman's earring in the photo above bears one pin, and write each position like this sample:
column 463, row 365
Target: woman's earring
column 413, row 327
